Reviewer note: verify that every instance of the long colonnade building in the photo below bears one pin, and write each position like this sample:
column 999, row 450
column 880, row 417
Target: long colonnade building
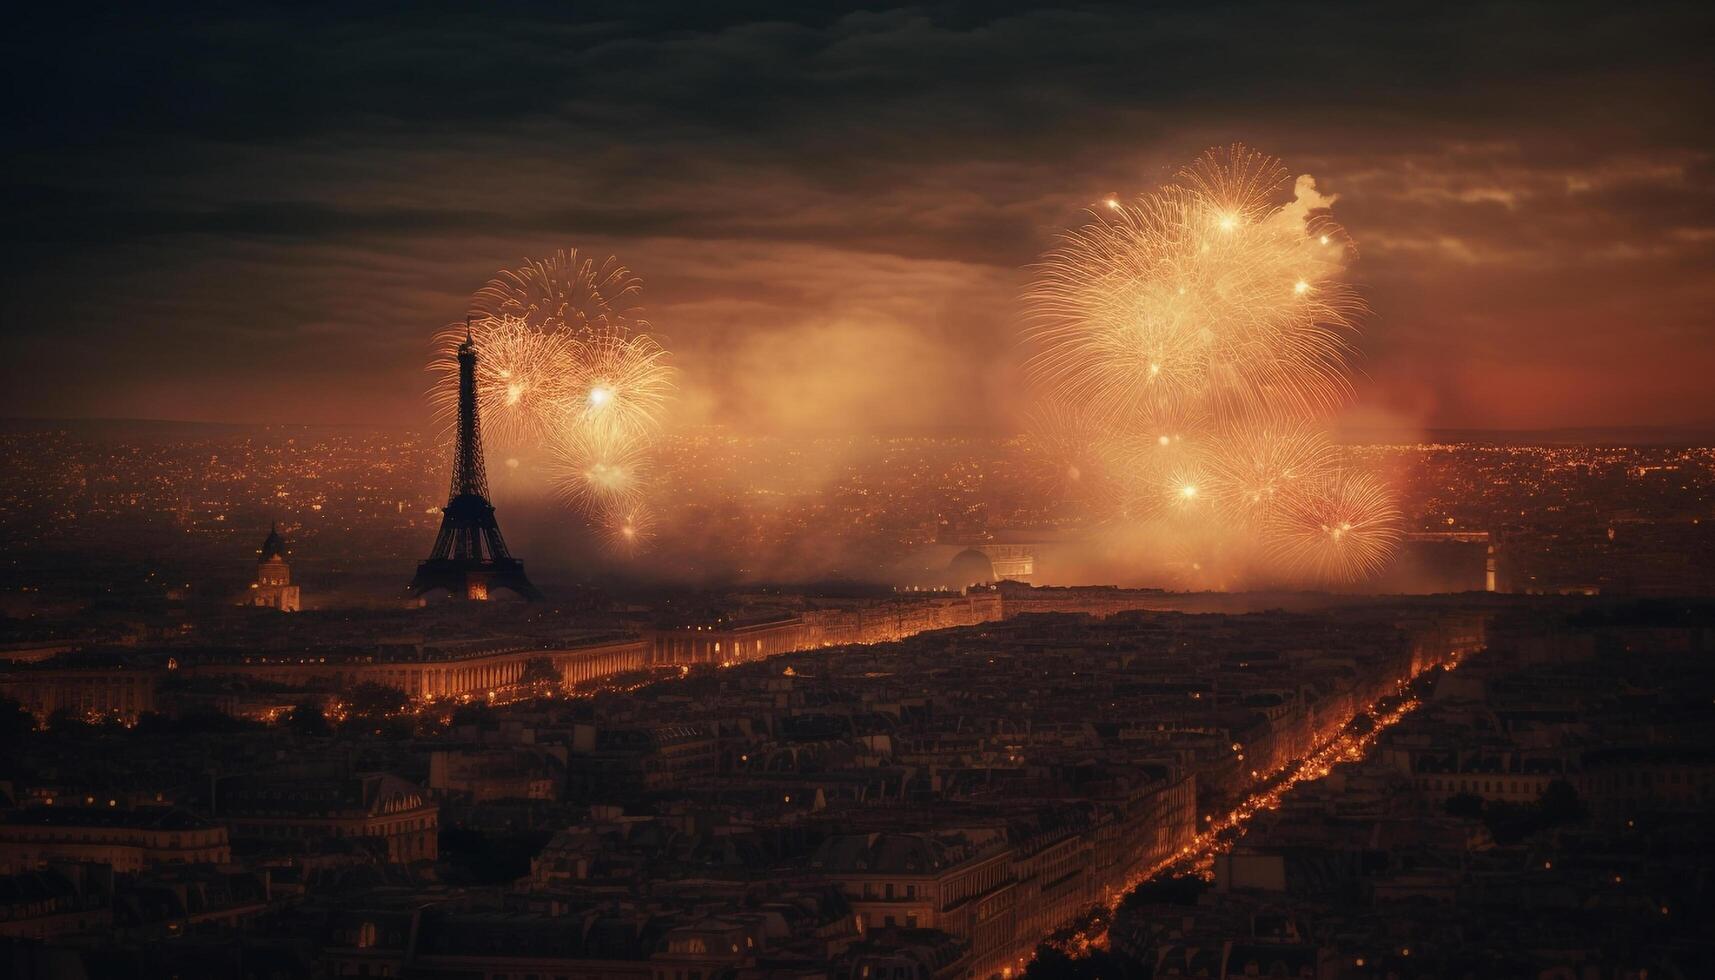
column 438, row 670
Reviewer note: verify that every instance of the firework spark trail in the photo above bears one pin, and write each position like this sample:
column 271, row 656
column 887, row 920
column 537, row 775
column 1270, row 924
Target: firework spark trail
column 1202, row 329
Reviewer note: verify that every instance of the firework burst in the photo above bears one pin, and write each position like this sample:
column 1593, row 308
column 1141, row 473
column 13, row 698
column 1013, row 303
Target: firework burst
column 1207, row 297
column 628, row 530
column 1254, row 469
column 618, row 384
column 1203, row 329
column 1340, row 530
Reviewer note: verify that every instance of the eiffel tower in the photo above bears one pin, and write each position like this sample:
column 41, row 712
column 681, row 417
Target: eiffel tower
column 470, row 556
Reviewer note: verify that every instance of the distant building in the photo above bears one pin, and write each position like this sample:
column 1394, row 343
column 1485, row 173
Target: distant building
column 435, row 670
column 273, row 588
column 946, row 565
column 928, row 881
column 726, row 641
column 65, row 898
column 970, row 567
column 481, row 775
column 305, row 813
column 926, row 954
column 609, row 763
column 128, row 840
column 119, row 691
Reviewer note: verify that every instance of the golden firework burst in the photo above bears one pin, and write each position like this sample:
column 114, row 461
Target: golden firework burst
column 1203, row 330
column 1340, row 529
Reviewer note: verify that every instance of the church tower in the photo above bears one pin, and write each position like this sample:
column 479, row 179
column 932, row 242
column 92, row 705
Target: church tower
column 273, row 587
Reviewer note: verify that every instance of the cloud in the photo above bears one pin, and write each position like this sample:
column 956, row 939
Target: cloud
column 264, row 212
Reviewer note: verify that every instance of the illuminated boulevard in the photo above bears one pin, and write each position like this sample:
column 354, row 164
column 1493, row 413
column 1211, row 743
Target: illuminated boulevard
column 1198, row 857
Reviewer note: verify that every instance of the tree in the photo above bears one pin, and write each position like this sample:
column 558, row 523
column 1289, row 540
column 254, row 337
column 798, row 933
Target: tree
column 1559, row 803
column 307, row 719
column 376, row 700
column 1467, row 805
column 1097, row 964
column 64, row 721
column 205, row 721
column 1175, row 890
column 15, row 721
column 475, row 713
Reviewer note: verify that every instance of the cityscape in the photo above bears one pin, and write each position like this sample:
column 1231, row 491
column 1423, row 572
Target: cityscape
column 894, row 493
column 1551, row 517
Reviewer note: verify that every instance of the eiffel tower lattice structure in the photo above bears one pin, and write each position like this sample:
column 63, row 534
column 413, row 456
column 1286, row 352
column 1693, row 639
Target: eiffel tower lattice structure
column 470, row 557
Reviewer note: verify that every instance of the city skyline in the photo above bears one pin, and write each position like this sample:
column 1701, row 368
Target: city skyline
column 834, row 214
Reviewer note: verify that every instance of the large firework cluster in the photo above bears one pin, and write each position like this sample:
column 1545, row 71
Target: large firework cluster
column 1186, row 347
column 566, row 367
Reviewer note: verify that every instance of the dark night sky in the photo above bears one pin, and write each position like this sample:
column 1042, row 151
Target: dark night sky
column 263, row 213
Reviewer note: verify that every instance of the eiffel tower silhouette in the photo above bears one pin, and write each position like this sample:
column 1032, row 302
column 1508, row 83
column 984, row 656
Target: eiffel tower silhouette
column 470, row 556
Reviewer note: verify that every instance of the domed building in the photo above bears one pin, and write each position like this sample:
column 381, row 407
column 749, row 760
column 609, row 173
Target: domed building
column 273, row 588
column 970, row 567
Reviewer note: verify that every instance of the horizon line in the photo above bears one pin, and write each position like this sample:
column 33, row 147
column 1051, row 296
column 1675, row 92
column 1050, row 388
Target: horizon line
column 1359, row 434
